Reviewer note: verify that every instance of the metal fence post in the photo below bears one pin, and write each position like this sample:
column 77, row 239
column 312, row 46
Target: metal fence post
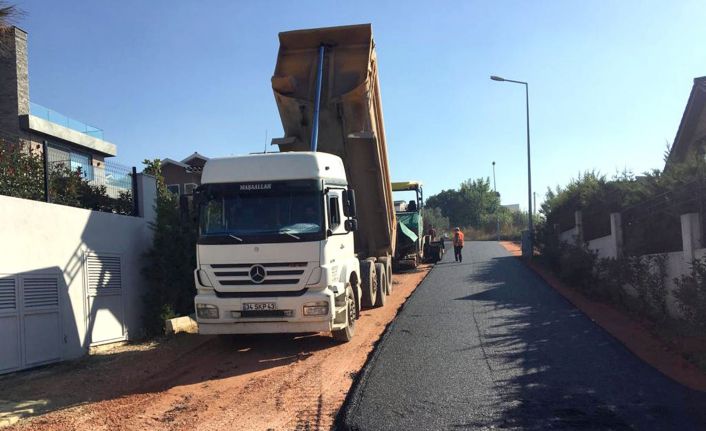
column 45, row 159
column 135, row 203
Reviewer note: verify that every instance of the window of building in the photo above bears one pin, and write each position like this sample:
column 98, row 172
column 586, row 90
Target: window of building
column 189, row 188
column 62, row 156
column 174, row 188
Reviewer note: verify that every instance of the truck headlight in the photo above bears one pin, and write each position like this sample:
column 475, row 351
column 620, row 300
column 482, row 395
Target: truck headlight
column 206, row 311
column 319, row 308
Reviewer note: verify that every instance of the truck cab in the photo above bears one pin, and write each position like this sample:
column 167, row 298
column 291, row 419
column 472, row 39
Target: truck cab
column 275, row 251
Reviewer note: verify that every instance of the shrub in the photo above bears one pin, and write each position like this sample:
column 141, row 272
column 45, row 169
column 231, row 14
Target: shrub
column 21, row 173
column 577, row 266
column 690, row 294
column 648, row 276
column 612, row 275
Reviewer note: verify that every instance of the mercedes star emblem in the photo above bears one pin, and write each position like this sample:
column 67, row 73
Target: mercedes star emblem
column 257, row 273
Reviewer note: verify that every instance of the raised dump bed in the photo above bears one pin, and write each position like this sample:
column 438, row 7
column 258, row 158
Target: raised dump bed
column 350, row 119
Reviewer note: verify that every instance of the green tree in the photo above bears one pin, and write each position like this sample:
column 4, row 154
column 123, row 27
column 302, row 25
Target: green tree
column 171, row 260
column 434, row 217
column 472, row 205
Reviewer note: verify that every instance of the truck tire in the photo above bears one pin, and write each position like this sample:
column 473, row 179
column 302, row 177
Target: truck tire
column 368, row 282
column 356, row 296
column 346, row 334
column 381, row 278
column 387, row 261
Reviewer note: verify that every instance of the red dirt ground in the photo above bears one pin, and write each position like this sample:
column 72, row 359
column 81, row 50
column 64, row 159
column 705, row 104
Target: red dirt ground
column 189, row 382
column 667, row 357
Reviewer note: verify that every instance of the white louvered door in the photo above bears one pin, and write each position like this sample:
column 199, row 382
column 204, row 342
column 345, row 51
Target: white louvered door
column 30, row 320
column 41, row 320
column 10, row 352
column 106, row 314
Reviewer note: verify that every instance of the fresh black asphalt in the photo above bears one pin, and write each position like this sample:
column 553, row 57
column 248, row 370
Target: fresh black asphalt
column 486, row 344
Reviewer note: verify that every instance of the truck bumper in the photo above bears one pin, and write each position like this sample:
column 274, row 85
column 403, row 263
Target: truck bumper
column 230, row 320
column 263, row 327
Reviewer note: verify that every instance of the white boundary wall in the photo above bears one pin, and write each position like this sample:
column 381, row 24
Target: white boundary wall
column 41, row 241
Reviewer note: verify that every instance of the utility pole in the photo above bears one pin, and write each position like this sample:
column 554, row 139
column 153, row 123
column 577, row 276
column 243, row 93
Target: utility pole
column 497, row 210
column 529, row 251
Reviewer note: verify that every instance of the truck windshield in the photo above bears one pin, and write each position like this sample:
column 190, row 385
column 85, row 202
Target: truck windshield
column 277, row 215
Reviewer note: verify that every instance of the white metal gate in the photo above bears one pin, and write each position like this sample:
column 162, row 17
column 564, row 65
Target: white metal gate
column 106, row 312
column 30, row 320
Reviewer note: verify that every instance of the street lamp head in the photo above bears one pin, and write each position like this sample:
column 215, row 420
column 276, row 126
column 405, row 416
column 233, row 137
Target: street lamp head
column 497, row 78
column 493, row 163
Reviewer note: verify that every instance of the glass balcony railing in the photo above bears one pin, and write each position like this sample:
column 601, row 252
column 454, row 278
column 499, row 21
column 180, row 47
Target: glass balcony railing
column 50, row 115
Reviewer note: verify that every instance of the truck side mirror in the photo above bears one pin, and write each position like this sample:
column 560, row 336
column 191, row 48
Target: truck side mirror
column 349, row 209
column 351, row 225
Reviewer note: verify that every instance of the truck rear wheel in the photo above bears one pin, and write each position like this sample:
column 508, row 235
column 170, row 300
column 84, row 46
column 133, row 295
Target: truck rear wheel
column 346, row 334
column 387, row 261
column 369, row 283
column 381, row 278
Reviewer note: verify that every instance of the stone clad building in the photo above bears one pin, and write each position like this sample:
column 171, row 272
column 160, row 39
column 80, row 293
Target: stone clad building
column 71, row 142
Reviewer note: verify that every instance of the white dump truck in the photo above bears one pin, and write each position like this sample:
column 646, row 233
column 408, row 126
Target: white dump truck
column 299, row 240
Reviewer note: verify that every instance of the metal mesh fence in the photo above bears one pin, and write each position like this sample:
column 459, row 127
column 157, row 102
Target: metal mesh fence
column 66, row 177
column 654, row 226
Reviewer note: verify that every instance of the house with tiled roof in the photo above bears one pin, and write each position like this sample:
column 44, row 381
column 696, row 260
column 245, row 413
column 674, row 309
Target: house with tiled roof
column 182, row 177
column 691, row 135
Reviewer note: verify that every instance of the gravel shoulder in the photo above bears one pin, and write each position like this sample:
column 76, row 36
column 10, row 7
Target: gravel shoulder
column 274, row 382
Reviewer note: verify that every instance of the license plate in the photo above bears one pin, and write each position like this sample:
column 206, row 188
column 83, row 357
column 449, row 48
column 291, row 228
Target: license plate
column 259, row 306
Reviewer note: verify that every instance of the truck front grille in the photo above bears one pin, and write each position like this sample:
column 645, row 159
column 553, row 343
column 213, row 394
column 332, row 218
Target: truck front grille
column 280, row 273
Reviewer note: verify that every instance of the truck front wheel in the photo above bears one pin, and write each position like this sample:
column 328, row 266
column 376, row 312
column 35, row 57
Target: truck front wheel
column 368, row 282
column 346, row 334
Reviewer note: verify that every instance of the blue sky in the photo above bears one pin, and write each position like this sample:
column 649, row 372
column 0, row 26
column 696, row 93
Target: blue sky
column 608, row 79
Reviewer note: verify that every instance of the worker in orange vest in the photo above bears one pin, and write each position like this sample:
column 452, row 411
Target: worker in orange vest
column 458, row 244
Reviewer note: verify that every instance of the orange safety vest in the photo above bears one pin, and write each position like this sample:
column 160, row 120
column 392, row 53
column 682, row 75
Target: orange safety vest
column 458, row 239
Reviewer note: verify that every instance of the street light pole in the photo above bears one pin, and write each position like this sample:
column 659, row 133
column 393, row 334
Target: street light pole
column 497, row 210
column 529, row 164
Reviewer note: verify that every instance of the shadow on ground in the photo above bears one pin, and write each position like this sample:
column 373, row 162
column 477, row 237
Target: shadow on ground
column 148, row 368
column 555, row 369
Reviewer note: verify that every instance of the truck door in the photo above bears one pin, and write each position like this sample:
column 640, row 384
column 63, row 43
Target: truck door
column 338, row 247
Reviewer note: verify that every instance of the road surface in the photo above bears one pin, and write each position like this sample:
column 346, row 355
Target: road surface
column 487, row 344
